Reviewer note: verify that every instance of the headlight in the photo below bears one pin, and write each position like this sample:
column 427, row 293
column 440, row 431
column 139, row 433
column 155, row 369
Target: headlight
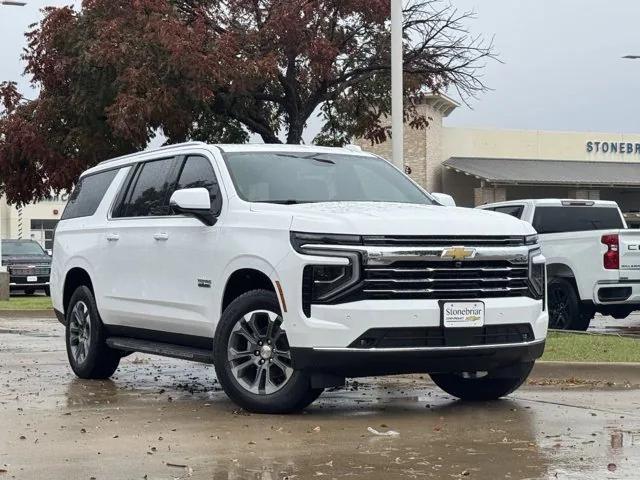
column 531, row 239
column 327, row 283
column 537, row 275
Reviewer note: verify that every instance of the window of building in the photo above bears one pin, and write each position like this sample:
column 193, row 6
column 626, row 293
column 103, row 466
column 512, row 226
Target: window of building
column 88, row 194
column 148, row 192
column 42, row 231
column 575, row 219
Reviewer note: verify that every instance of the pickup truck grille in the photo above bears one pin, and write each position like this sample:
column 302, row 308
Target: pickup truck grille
column 28, row 270
column 445, row 280
column 442, row 241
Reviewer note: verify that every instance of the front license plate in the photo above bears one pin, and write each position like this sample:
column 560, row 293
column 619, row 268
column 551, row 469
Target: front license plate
column 463, row 314
column 32, row 278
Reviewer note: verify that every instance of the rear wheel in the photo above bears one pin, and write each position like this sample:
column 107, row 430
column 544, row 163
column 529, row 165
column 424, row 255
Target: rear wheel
column 478, row 388
column 47, row 291
column 253, row 359
column 564, row 309
column 88, row 354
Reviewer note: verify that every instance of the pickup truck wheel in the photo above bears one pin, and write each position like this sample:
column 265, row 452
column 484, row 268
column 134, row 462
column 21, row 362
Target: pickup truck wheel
column 89, row 355
column 564, row 311
column 477, row 389
column 253, row 359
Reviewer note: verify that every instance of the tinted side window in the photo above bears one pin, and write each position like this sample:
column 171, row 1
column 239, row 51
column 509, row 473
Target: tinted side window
column 513, row 210
column 197, row 172
column 148, row 191
column 575, row 219
column 87, row 195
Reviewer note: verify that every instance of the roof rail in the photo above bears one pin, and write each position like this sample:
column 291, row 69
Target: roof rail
column 159, row 149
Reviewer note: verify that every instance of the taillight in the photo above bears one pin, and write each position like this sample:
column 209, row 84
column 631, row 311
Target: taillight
column 611, row 260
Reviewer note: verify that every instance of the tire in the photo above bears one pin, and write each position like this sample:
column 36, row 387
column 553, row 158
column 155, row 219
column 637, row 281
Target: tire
column 483, row 388
column 259, row 377
column 29, row 291
column 47, row 291
column 564, row 308
column 88, row 354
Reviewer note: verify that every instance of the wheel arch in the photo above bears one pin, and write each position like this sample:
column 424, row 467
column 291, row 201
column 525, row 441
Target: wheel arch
column 562, row 270
column 75, row 277
column 243, row 280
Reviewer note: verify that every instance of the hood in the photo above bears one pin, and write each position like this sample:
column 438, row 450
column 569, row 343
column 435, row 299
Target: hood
column 377, row 218
column 25, row 259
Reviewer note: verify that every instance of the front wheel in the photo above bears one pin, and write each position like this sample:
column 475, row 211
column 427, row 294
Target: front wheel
column 476, row 388
column 252, row 357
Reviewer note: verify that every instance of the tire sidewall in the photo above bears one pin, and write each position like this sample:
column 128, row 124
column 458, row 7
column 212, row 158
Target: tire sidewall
column 573, row 308
column 85, row 368
column 291, row 397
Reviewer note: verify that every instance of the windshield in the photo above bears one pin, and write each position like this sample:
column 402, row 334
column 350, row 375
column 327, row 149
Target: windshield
column 303, row 177
column 21, row 248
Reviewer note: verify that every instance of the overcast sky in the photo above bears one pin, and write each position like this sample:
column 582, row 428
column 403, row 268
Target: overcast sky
column 562, row 63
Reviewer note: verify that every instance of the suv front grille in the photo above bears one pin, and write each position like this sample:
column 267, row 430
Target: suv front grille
column 445, row 280
column 29, row 270
column 419, row 337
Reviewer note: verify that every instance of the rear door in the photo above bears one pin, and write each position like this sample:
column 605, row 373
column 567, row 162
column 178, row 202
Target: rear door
column 131, row 269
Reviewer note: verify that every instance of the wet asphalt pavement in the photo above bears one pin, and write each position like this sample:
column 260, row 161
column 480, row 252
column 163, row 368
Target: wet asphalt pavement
column 164, row 419
column 627, row 326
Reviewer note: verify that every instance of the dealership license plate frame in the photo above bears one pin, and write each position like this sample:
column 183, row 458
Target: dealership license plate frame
column 32, row 278
column 452, row 324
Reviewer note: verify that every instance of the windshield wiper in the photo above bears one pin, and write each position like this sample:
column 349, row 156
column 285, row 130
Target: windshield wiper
column 282, row 202
column 313, row 156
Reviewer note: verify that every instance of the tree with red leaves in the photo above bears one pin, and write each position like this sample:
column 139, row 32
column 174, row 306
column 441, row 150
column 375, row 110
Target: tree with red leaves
column 115, row 73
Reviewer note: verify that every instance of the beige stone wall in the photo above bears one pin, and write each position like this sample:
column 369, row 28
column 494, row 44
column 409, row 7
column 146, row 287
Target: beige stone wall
column 422, row 150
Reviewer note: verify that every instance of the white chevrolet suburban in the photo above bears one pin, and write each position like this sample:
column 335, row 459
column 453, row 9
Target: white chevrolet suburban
column 290, row 268
column 593, row 260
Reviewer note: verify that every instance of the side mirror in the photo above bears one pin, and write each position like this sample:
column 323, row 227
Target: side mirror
column 195, row 202
column 444, row 199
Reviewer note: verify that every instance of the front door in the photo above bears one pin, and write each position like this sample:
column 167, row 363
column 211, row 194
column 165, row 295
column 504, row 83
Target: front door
column 160, row 261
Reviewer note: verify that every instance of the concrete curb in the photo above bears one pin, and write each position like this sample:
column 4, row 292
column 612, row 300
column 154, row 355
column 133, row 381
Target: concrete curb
column 27, row 314
column 616, row 373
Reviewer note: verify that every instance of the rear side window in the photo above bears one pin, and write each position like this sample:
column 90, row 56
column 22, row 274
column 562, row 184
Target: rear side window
column 197, row 172
column 88, row 194
column 513, row 210
column 148, row 191
column 575, row 219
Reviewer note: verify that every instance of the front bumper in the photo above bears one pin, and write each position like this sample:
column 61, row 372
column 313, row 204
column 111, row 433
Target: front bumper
column 338, row 326
column 353, row 362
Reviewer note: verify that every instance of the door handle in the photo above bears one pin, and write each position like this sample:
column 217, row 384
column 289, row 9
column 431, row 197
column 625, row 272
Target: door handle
column 113, row 237
column 161, row 236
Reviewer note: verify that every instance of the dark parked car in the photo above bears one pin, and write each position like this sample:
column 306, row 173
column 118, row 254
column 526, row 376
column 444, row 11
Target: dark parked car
column 28, row 264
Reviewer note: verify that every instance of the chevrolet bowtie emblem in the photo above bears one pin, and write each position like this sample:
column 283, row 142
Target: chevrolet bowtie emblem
column 459, row 253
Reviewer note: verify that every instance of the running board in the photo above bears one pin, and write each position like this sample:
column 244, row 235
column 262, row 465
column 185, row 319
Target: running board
column 159, row 348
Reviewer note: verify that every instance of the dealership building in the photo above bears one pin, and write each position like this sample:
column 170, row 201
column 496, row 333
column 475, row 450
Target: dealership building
column 478, row 166
column 474, row 165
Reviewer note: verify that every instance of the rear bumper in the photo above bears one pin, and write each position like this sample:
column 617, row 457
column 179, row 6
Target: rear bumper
column 355, row 362
column 617, row 293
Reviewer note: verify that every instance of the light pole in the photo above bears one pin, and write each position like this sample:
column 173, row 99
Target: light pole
column 397, row 112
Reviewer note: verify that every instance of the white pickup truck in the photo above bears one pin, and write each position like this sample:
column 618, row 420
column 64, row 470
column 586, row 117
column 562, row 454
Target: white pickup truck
column 593, row 260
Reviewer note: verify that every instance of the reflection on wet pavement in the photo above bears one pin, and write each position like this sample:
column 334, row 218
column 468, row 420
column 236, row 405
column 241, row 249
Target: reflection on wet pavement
column 168, row 419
